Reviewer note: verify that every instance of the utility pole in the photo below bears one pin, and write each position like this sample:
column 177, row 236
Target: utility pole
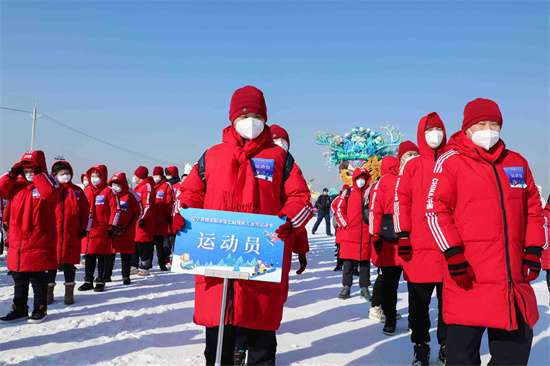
column 33, row 124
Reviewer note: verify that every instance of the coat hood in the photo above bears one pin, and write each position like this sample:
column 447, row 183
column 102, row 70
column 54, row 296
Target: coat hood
column 390, row 165
column 423, row 147
column 120, row 179
column 360, row 172
column 35, row 158
column 82, row 176
column 172, row 170
column 277, row 132
column 102, row 169
column 461, row 143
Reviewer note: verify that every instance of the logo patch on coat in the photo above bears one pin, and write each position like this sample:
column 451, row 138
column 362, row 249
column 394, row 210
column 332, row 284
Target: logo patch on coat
column 123, row 205
column 100, row 200
column 35, row 193
column 160, row 194
column 516, row 177
column 263, row 168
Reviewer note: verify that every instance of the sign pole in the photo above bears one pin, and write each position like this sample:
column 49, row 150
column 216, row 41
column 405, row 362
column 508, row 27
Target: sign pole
column 222, row 323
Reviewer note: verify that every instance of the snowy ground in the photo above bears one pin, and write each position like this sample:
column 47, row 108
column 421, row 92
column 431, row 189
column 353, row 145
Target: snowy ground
column 150, row 323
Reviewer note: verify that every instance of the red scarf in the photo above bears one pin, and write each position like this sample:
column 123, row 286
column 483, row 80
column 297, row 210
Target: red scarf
column 244, row 196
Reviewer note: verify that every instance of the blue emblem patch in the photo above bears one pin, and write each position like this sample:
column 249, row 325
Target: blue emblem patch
column 516, row 177
column 100, row 200
column 263, row 168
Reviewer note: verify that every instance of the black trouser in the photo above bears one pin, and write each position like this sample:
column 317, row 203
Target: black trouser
column 69, row 271
column 377, row 290
column 420, row 295
column 364, row 273
column 126, row 261
column 390, row 284
column 142, row 252
column 158, row 242
column 320, row 216
column 548, row 279
column 339, row 262
column 110, row 264
column 262, row 345
column 39, row 282
column 169, row 244
column 506, row 347
column 89, row 267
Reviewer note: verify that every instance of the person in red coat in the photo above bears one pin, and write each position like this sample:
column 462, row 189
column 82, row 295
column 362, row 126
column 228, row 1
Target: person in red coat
column 85, row 180
column 484, row 212
column 130, row 213
column 423, row 268
column 255, row 307
column 164, row 210
column 145, row 189
column 98, row 244
column 172, row 175
column 355, row 245
column 32, row 231
column 385, row 255
column 338, row 229
column 73, row 223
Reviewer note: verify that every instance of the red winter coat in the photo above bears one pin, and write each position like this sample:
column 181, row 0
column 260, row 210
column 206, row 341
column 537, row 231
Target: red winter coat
column 32, row 229
column 487, row 204
column 382, row 203
column 175, row 191
column 334, row 207
column 413, row 184
column 164, row 207
column 355, row 239
column 73, row 216
column 146, row 192
column 546, row 253
column 130, row 213
column 105, row 209
column 255, row 305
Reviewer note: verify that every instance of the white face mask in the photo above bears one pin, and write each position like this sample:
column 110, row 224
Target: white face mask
column 96, row 181
column 168, row 177
column 117, row 188
column 86, row 183
column 157, row 178
column 135, row 179
column 434, row 138
column 282, row 144
column 29, row 177
column 361, row 182
column 485, row 139
column 64, row 178
column 249, row 128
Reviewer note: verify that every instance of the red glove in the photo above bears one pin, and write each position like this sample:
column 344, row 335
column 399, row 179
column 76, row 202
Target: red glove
column 531, row 263
column 178, row 222
column 303, row 263
column 459, row 268
column 16, row 170
column 404, row 250
column 285, row 230
column 377, row 243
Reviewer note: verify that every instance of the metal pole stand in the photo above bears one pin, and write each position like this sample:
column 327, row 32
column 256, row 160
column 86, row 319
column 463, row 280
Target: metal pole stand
column 226, row 275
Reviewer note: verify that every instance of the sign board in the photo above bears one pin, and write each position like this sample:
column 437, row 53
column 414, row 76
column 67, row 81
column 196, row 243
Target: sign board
column 229, row 241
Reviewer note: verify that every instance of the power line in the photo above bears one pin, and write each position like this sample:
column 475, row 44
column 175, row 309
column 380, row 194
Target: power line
column 15, row 110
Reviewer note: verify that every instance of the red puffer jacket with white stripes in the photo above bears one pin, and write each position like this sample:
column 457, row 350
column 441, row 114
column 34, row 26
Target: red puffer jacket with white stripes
column 130, row 213
column 146, row 191
column 546, row 253
column 413, row 184
column 486, row 203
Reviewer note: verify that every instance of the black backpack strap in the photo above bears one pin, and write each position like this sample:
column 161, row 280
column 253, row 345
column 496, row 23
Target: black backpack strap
column 289, row 165
column 348, row 191
column 201, row 167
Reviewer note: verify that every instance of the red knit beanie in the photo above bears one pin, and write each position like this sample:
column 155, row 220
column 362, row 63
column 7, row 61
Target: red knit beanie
column 141, row 172
column 279, row 133
column 406, row 146
column 158, row 170
column 434, row 121
column 247, row 100
column 481, row 110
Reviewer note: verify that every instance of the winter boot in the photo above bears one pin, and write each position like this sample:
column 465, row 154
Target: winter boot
column 86, row 286
column 108, row 279
column 421, row 354
column 38, row 315
column 126, row 280
column 69, row 293
column 17, row 313
column 99, row 287
column 239, row 357
column 133, row 271
column 143, row 272
column 389, row 328
column 163, row 267
column 365, row 293
column 345, row 293
column 376, row 314
column 49, row 298
column 337, row 268
column 442, row 356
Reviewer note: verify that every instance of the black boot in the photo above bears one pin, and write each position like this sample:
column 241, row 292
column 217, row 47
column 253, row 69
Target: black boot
column 442, row 356
column 86, row 286
column 17, row 313
column 389, row 327
column 99, row 287
column 38, row 315
column 345, row 293
column 239, row 357
column 126, row 280
column 421, row 354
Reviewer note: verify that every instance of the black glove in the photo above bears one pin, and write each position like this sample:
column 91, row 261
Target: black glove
column 141, row 223
column 16, row 170
column 37, row 169
column 82, row 234
column 169, row 220
column 377, row 244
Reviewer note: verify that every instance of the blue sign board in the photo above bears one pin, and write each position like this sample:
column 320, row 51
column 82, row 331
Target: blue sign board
column 230, row 241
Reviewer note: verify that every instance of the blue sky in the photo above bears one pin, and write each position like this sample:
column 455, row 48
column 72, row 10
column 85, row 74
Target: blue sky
column 157, row 77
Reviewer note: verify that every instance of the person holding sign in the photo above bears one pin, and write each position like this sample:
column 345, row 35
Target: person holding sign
column 484, row 212
column 246, row 173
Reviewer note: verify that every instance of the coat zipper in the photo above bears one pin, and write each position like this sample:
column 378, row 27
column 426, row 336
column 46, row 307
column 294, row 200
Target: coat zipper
column 361, row 242
column 505, row 238
column 62, row 229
